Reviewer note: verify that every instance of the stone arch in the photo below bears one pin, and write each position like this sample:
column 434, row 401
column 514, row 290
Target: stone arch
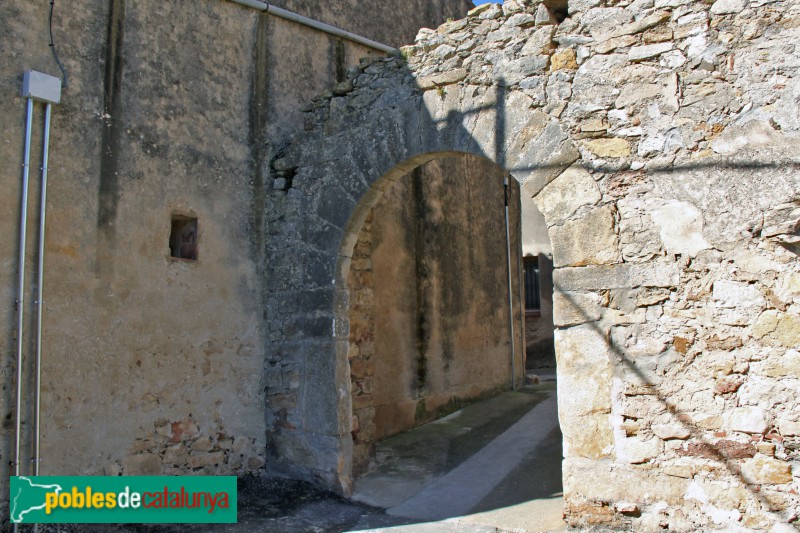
column 656, row 203
column 337, row 175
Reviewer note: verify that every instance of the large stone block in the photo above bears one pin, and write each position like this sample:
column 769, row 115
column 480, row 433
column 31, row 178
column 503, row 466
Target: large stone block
column 590, row 240
column 640, row 53
column 788, row 427
column 753, row 135
column 563, row 60
column 573, row 189
column 749, row 420
column 511, row 72
column 728, row 7
column 732, row 294
column 609, row 482
column 543, row 158
column 634, row 92
column 781, row 328
column 721, row 495
column 614, row 147
column 442, row 79
column 671, row 431
column 592, row 438
column 584, row 391
column 779, row 366
column 621, row 276
column 738, row 303
column 573, row 308
column 635, row 450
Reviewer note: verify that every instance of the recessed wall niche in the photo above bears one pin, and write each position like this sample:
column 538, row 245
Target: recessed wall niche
column 183, row 237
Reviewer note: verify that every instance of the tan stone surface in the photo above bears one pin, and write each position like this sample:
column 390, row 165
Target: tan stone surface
column 762, row 469
column 614, row 147
column 423, row 346
column 573, row 308
column 563, row 60
column 589, row 240
column 584, row 404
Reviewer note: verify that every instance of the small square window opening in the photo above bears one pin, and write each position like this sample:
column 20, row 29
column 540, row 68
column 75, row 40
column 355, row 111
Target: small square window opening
column 183, row 238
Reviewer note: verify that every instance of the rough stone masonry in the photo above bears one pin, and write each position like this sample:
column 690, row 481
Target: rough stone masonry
column 661, row 141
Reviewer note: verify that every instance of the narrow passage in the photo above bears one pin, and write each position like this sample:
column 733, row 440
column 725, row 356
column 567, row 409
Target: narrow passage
column 496, row 463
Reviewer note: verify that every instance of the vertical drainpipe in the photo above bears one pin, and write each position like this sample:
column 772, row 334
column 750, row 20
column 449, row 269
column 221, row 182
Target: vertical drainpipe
column 40, row 286
column 23, row 224
column 47, row 89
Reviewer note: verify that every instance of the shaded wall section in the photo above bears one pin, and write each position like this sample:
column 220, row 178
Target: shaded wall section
column 428, row 290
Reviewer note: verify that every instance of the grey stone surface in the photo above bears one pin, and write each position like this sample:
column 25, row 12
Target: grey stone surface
column 673, row 145
column 616, row 276
column 728, row 7
column 680, row 225
column 647, row 51
column 573, row 308
column 573, row 189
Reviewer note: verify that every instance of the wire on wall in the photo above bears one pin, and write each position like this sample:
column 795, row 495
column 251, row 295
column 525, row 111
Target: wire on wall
column 53, row 45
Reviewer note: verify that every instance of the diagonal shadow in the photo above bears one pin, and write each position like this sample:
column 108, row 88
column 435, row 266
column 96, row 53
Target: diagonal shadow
column 705, row 448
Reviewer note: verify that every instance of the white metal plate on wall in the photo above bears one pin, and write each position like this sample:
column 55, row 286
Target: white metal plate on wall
column 41, row 87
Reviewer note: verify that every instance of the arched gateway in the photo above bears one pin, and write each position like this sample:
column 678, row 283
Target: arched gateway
column 665, row 262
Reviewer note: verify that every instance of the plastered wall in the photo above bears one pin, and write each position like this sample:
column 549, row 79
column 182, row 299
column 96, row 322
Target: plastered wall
column 152, row 364
column 429, row 328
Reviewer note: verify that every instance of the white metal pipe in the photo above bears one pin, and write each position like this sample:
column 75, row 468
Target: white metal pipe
column 21, row 279
column 311, row 23
column 510, row 293
column 40, row 288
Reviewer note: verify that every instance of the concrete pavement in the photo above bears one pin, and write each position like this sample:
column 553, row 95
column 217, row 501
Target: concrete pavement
column 510, row 481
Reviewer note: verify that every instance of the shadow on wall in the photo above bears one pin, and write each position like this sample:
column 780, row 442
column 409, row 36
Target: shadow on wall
column 429, row 328
column 358, row 147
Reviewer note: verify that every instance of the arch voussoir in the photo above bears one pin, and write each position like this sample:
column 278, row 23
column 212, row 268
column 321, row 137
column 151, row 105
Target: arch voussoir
column 634, row 154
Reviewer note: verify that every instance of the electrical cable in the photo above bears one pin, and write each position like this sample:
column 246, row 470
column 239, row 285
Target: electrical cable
column 53, row 45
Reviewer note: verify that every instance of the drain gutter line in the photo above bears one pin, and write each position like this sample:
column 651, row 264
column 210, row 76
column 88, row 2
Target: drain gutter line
column 26, row 165
column 317, row 25
column 40, row 288
column 510, row 293
column 40, row 87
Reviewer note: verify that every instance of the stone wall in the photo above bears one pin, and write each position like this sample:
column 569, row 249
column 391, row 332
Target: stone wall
column 429, row 325
column 659, row 139
column 154, row 364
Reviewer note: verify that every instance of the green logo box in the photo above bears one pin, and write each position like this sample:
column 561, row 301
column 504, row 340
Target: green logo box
column 123, row 499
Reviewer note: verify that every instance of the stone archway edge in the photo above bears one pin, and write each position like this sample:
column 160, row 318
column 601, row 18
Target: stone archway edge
column 655, row 139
